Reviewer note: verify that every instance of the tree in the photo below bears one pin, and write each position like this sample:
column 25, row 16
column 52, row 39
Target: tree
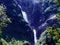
column 4, row 20
column 58, row 17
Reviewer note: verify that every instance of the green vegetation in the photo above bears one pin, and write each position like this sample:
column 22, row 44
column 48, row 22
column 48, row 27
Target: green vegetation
column 3, row 19
column 51, row 33
column 58, row 2
column 14, row 42
column 58, row 17
column 54, row 32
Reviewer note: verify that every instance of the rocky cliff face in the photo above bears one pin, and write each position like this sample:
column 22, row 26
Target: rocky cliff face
column 18, row 29
column 39, row 13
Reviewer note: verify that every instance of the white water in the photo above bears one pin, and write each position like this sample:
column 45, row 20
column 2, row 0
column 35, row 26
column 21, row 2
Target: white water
column 35, row 37
column 51, row 17
column 24, row 14
column 25, row 17
column 34, row 31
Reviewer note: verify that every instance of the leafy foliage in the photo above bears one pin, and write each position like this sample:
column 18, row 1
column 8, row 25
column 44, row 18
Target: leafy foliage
column 14, row 42
column 3, row 18
column 58, row 2
column 50, row 36
column 58, row 17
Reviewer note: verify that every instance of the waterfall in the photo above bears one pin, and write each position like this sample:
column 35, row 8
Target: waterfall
column 34, row 31
column 25, row 18
column 52, row 17
column 35, row 37
column 45, row 23
column 24, row 14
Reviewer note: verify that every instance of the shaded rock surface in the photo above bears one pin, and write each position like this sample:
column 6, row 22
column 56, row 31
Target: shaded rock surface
column 18, row 29
column 39, row 13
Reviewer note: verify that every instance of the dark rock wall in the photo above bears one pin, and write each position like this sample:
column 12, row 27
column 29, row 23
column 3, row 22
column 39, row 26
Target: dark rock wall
column 18, row 29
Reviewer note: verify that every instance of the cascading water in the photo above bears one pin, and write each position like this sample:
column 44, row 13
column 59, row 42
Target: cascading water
column 45, row 23
column 34, row 31
column 38, row 14
column 25, row 18
column 35, row 37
